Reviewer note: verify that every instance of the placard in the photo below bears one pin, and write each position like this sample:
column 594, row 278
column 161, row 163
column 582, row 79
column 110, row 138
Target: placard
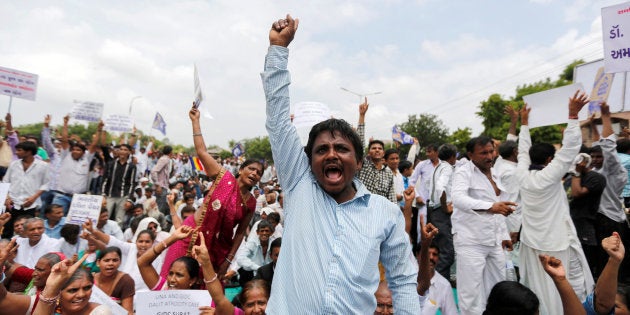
column 551, row 107
column 198, row 95
column 120, row 123
column 18, row 83
column 307, row 114
column 616, row 34
column 171, row 302
column 83, row 208
column 601, row 90
column 87, row 111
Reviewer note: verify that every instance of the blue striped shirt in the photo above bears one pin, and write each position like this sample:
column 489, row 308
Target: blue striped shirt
column 330, row 252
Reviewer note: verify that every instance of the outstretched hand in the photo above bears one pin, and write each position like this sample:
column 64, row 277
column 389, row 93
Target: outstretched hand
column 87, row 226
column 614, row 247
column 576, row 103
column 9, row 250
column 605, row 109
column 511, row 112
column 4, row 218
column 553, row 267
column 282, row 31
column 363, row 107
column 182, row 232
column 525, row 115
column 62, row 271
column 194, row 114
column 428, row 231
column 200, row 252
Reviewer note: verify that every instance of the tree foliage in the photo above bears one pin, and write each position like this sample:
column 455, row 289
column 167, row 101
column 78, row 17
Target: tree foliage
column 427, row 128
column 258, row 148
column 496, row 124
column 460, row 138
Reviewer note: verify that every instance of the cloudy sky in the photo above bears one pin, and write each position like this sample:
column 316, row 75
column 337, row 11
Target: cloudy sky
column 440, row 57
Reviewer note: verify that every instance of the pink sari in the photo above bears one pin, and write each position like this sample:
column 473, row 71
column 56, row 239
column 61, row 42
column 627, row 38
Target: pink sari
column 224, row 210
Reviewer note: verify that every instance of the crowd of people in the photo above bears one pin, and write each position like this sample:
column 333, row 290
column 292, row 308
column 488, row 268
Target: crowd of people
column 514, row 227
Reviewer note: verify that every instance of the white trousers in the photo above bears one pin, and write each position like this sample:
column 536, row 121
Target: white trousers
column 479, row 268
column 534, row 276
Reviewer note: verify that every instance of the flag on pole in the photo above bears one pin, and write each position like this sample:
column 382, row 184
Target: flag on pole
column 196, row 164
column 159, row 123
column 400, row 136
column 238, row 150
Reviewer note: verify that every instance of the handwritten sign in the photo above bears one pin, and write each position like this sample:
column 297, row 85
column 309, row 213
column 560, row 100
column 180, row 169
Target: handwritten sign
column 171, row 302
column 616, row 29
column 601, row 90
column 120, row 123
column 88, row 111
column 550, row 107
column 84, row 207
column 18, row 83
column 307, row 114
column 4, row 191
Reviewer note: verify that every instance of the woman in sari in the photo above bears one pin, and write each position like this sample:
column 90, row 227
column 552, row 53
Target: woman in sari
column 229, row 203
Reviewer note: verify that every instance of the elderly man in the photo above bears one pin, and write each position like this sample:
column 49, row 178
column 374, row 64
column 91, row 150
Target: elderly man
column 29, row 179
column 36, row 244
column 335, row 273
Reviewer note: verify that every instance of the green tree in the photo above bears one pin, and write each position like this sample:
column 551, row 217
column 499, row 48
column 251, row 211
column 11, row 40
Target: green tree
column 258, row 148
column 427, row 128
column 460, row 138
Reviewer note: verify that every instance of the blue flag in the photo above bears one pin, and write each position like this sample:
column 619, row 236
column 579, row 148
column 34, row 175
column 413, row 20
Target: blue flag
column 238, row 150
column 159, row 123
column 400, row 136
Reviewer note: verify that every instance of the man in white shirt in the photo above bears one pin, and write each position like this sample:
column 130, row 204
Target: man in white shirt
column 440, row 207
column 479, row 230
column 29, row 178
column 440, row 292
column 109, row 227
column 547, row 227
column 36, row 244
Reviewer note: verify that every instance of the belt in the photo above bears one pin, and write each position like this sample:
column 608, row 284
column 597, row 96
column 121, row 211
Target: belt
column 62, row 193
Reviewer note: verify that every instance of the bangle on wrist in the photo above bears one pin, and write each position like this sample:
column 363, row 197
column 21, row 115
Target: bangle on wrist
column 165, row 246
column 197, row 134
column 211, row 280
column 226, row 259
column 48, row 300
column 573, row 116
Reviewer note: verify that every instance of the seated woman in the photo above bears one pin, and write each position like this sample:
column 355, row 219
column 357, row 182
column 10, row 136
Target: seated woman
column 183, row 272
column 130, row 252
column 254, row 296
column 11, row 303
column 116, row 284
column 68, row 291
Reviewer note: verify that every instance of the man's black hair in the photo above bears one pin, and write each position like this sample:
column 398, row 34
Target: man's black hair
column 481, row 141
column 27, row 146
column 332, row 125
column 389, row 152
column 447, row 151
column 540, row 152
column 506, row 149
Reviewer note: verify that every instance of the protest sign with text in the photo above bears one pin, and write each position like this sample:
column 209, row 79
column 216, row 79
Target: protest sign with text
column 616, row 29
column 18, row 83
column 551, row 107
column 601, row 90
column 171, row 302
column 120, row 123
column 307, row 114
column 84, row 207
column 88, row 111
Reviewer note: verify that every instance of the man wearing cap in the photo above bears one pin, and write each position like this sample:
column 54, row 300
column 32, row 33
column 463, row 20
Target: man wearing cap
column 74, row 167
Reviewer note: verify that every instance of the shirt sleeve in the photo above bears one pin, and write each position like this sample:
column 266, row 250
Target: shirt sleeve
column 244, row 257
column 461, row 198
column 401, row 267
column 286, row 147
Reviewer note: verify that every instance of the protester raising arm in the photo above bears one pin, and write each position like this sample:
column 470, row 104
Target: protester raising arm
column 147, row 271
column 210, row 278
column 209, row 163
column 606, row 287
column 570, row 302
column 424, row 275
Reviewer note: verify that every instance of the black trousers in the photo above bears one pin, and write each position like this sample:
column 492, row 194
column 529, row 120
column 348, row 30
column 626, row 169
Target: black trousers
column 443, row 240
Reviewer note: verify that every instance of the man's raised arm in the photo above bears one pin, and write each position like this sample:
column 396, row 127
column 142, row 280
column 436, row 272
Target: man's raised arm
column 285, row 143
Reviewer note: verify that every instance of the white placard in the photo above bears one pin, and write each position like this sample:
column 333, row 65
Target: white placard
column 120, row 123
column 87, row 111
column 551, row 107
column 616, row 32
column 84, row 207
column 18, row 83
column 171, row 302
column 98, row 296
column 4, row 191
column 307, row 114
